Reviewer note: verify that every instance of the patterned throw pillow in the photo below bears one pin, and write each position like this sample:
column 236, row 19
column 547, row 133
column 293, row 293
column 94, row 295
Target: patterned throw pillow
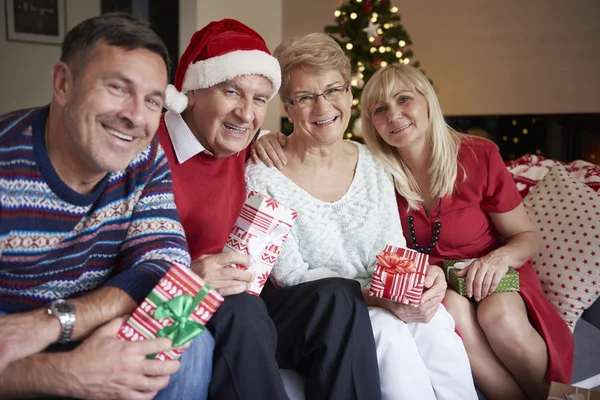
column 566, row 213
column 529, row 170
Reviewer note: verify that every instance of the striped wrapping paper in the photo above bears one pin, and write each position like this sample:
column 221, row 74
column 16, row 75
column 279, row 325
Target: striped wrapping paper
column 405, row 288
column 260, row 231
column 178, row 281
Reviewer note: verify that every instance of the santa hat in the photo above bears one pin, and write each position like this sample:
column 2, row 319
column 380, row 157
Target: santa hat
column 219, row 52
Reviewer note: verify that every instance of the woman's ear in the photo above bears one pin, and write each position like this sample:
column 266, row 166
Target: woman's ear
column 286, row 109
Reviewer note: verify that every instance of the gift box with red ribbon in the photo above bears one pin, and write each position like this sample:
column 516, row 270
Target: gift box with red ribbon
column 178, row 308
column 399, row 275
column 260, row 231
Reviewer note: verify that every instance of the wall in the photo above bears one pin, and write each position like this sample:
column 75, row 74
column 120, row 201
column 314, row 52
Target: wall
column 25, row 67
column 497, row 57
column 264, row 16
column 508, row 57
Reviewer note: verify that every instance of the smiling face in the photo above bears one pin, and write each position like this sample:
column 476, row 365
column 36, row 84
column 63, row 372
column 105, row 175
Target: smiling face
column 403, row 119
column 326, row 120
column 225, row 117
column 111, row 108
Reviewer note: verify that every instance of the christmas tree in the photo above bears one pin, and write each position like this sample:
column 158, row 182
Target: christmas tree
column 372, row 36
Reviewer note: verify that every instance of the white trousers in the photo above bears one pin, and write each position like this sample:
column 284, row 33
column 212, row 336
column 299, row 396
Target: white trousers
column 421, row 361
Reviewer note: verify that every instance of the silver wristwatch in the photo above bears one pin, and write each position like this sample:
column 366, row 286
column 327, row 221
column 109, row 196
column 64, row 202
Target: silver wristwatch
column 64, row 310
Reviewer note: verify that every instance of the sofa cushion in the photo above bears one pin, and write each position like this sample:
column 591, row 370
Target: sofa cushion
column 566, row 213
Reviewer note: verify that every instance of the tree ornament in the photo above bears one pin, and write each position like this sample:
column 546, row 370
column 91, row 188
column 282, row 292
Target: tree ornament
column 368, row 6
column 371, row 29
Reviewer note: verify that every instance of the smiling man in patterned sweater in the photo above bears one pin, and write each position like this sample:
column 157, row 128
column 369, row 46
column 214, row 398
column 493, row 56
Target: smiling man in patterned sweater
column 88, row 224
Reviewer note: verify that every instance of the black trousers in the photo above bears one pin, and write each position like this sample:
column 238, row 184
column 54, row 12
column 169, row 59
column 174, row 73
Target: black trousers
column 321, row 329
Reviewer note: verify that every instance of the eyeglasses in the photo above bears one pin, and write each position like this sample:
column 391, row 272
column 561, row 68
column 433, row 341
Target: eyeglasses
column 309, row 100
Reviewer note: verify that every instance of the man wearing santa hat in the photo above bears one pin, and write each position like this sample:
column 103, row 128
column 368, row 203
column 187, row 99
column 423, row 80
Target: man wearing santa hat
column 223, row 83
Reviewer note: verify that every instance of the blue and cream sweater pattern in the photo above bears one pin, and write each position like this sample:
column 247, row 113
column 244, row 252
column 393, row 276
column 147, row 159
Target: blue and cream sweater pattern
column 57, row 243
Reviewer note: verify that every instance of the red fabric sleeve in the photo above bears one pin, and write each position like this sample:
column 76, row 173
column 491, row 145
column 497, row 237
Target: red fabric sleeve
column 500, row 194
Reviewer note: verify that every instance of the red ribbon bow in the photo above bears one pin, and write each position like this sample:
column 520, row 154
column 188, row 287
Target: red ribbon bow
column 393, row 263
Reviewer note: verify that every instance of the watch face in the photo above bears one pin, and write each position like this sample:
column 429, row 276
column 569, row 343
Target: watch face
column 63, row 307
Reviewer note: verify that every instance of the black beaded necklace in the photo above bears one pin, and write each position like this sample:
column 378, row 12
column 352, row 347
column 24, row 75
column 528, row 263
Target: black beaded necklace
column 437, row 225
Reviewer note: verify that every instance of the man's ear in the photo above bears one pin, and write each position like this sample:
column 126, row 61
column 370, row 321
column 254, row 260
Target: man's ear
column 62, row 82
column 191, row 98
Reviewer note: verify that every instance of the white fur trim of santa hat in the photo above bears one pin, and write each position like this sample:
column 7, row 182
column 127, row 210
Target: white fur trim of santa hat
column 210, row 72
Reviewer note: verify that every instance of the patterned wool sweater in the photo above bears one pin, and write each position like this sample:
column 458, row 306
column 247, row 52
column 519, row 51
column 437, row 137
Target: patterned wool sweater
column 338, row 239
column 56, row 243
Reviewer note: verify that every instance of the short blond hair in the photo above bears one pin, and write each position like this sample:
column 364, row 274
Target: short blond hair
column 316, row 52
column 444, row 141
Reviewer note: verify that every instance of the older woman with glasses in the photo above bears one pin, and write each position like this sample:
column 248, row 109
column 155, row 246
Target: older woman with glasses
column 347, row 213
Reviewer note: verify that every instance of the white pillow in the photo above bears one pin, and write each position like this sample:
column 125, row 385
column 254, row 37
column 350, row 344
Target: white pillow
column 566, row 213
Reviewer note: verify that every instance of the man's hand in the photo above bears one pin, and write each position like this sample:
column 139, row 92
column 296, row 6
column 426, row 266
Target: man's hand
column 269, row 149
column 484, row 274
column 104, row 367
column 25, row 334
column 435, row 289
column 226, row 281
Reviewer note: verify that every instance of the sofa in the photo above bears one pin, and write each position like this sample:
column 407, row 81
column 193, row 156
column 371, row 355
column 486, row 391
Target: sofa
column 563, row 201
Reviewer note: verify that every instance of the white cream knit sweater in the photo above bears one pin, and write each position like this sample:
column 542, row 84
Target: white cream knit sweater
column 338, row 239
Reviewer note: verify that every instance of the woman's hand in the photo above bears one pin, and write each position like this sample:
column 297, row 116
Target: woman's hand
column 433, row 294
column 484, row 274
column 269, row 149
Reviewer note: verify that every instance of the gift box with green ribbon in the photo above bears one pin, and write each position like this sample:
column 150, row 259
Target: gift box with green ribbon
column 178, row 308
column 508, row 283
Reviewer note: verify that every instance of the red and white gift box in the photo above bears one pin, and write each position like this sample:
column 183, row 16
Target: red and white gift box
column 179, row 281
column 260, row 231
column 399, row 275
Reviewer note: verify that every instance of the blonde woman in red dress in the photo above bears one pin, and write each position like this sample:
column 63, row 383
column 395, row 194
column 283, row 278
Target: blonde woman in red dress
column 457, row 201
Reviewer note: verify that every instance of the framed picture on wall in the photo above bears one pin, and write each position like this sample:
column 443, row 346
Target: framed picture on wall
column 35, row 21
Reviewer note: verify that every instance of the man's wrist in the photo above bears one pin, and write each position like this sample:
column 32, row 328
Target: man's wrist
column 62, row 372
column 48, row 328
column 43, row 374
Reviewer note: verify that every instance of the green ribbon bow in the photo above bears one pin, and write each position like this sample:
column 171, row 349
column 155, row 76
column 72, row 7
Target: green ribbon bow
column 179, row 309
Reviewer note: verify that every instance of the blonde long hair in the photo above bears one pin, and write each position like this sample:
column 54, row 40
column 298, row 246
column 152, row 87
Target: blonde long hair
column 444, row 141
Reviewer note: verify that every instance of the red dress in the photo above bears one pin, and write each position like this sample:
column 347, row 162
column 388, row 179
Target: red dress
column 467, row 232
